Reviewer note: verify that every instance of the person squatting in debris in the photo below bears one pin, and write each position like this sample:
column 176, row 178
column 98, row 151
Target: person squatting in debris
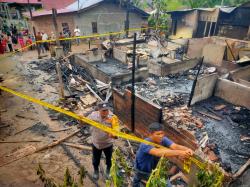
column 148, row 156
column 102, row 141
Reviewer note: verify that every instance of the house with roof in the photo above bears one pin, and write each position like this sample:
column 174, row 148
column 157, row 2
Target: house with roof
column 91, row 16
column 12, row 11
column 232, row 22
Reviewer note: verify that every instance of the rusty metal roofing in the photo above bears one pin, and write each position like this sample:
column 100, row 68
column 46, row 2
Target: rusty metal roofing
column 21, row 1
column 83, row 5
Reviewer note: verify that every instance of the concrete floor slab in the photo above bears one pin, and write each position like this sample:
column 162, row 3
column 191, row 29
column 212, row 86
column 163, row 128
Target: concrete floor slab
column 111, row 70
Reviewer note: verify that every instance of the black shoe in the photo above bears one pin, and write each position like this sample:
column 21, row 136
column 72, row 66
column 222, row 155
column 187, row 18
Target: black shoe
column 96, row 175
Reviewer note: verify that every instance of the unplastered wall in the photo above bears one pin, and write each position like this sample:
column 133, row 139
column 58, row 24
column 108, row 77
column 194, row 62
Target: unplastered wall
column 120, row 55
column 213, row 52
column 241, row 75
column 204, row 87
column 196, row 46
column 45, row 23
column 234, row 44
column 109, row 18
column 233, row 92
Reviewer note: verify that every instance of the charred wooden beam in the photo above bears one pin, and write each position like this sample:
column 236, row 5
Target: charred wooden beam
column 194, row 83
column 133, row 87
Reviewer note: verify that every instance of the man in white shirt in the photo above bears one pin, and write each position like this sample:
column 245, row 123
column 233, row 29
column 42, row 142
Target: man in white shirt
column 45, row 44
column 77, row 33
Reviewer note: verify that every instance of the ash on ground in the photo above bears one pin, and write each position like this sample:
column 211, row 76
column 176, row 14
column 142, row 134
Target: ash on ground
column 231, row 135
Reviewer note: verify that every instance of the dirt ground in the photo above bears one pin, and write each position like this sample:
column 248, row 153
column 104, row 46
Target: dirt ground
column 19, row 76
column 23, row 172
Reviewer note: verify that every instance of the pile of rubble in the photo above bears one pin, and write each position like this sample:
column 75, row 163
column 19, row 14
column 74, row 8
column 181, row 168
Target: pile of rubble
column 225, row 137
column 181, row 117
column 81, row 91
column 47, row 65
column 165, row 91
column 172, row 90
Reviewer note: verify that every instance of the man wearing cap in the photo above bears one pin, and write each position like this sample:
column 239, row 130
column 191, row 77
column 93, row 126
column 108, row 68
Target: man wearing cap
column 148, row 156
column 101, row 140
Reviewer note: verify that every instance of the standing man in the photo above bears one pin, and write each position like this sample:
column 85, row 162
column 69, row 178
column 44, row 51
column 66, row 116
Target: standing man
column 67, row 34
column 45, row 43
column 77, row 33
column 10, row 45
column 39, row 44
column 102, row 141
column 148, row 156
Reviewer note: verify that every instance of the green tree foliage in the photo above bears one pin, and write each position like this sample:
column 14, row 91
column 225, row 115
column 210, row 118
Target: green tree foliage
column 212, row 177
column 175, row 4
column 48, row 182
column 212, row 3
column 160, row 18
column 118, row 178
column 140, row 4
column 159, row 175
column 68, row 179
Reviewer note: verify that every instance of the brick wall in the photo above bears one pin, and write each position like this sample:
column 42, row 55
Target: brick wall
column 45, row 24
column 146, row 113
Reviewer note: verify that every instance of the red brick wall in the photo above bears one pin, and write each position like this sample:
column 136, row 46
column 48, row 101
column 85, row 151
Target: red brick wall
column 45, row 24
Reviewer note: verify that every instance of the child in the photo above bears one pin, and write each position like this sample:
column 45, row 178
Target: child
column 29, row 42
column 21, row 41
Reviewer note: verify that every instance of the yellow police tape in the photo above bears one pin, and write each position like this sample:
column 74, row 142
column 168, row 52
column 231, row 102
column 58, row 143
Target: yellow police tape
column 187, row 163
column 82, row 37
column 101, row 35
column 18, row 50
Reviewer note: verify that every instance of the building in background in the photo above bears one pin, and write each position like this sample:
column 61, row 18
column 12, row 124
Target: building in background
column 232, row 22
column 12, row 12
column 91, row 16
column 235, row 23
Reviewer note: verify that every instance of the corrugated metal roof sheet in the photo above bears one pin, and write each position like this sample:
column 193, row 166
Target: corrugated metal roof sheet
column 47, row 12
column 207, row 9
column 227, row 9
column 57, row 4
column 20, row 1
column 222, row 9
column 182, row 10
column 83, row 4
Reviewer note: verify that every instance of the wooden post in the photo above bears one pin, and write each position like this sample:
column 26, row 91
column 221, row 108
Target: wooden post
column 194, row 83
column 209, row 33
column 59, row 74
column 215, row 27
column 133, row 87
column 29, row 9
column 248, row 33
column 55, row 26
column 127, row 19
column 34, row 30
column 231, row 51
column 204, row 33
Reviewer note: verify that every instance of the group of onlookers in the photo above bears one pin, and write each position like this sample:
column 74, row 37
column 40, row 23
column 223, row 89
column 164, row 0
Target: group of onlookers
column 12, row 39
